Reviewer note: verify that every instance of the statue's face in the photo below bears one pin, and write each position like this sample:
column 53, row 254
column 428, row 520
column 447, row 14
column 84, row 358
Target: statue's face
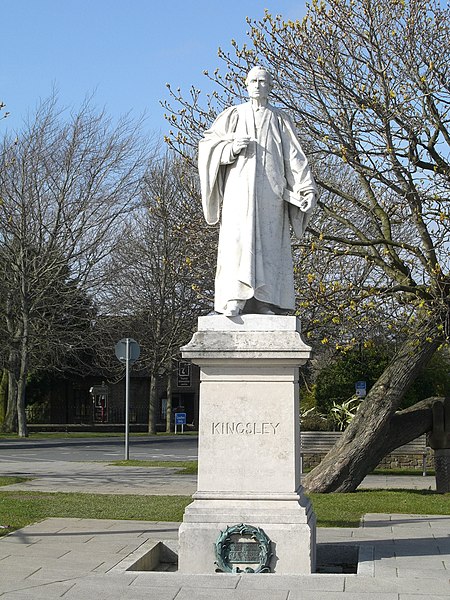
column 258, row 85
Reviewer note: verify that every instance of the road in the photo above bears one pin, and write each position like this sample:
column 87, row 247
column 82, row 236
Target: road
column 99, row 449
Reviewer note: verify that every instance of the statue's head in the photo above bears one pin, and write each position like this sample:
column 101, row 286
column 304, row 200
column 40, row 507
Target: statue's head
column 259, row 82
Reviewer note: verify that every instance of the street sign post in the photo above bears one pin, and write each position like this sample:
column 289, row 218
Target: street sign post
column 184, row 374
column 180, row 419
column 132, row 353
column 127, row 351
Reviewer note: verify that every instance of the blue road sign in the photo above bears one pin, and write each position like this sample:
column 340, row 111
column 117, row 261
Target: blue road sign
column 180, row 418
column 361, row 388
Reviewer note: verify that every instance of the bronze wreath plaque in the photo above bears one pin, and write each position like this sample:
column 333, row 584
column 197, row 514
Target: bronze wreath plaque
column 243, row 549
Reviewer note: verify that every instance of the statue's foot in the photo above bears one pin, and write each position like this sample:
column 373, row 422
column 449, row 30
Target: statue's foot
column 263, row 308
column 234, row 308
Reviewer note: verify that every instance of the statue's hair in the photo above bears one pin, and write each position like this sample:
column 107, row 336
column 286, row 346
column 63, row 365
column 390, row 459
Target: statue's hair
column 254, row 70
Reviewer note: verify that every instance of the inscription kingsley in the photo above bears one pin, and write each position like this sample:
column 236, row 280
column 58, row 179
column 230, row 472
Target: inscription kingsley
column 240, row 428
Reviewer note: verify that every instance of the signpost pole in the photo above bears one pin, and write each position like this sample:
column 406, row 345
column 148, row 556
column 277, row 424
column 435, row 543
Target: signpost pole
column 127, row 351
column 127, row 398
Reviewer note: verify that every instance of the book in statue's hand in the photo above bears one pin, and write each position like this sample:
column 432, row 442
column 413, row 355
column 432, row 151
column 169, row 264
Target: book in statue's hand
column 294, row 199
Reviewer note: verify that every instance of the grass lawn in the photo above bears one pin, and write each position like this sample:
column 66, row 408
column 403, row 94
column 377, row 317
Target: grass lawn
column 18, row 508
column 11, row 479
column 191, row 467
column 186, row 467
column 414, row 472
column 60, row 434
column 346, row 510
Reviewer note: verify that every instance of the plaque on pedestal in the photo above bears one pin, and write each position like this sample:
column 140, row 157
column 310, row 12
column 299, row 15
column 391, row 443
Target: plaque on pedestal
column 243, row 549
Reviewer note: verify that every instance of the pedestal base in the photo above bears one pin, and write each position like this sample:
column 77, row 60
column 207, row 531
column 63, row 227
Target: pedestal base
column 249, row 443
column 289, row 524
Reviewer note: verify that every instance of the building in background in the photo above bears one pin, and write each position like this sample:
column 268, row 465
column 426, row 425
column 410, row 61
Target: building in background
column 94, row 402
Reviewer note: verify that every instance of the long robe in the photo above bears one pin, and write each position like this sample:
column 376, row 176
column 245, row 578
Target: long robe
column 254, row 254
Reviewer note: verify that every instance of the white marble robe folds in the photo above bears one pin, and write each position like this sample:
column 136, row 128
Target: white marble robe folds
column 254, row 255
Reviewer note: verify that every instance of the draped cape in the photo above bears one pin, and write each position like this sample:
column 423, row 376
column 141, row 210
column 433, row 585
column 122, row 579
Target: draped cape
column 246, row 194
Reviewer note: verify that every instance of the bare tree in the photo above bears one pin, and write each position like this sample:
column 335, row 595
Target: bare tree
column 367, row 82
column 65, row 189
column 155, row 271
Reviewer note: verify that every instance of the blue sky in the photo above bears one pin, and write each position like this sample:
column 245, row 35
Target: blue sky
column 122, row 52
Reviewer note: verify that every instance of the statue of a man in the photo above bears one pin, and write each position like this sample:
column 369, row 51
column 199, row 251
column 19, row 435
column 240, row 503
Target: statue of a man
column 252, row 167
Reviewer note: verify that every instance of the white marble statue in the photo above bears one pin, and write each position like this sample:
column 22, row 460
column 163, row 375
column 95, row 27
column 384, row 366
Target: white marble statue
column 253, row 170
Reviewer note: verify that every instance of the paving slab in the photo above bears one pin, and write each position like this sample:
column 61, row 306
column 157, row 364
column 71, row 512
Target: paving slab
column 305, row 595
column 221, row 581
column 323, row 583
column 48, row 592
column 420, row 597
column 416, row 585
column 60, row 563
column 196, row 594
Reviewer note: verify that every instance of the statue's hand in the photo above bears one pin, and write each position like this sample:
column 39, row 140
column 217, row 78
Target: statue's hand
column 307, row 202
column 240, row 144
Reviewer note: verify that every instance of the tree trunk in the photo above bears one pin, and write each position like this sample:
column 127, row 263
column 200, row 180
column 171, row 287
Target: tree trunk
column 152, row 405
column 22, row 429
column 374, row 428
column 22, row 380
column 10, row 422
column 3, row 395
column 169, row 402
column 439, row 440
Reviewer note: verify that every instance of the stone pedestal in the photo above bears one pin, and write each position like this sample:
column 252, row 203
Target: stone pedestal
column 249, row 441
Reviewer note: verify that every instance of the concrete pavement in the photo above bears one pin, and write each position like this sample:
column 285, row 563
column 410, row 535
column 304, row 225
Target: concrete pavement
column 101, row 478
column 402, row 557
column 405, row 557
column 98, row 478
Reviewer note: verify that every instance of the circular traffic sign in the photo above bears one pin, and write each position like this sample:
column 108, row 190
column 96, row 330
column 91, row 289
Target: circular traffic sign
column 134, row 350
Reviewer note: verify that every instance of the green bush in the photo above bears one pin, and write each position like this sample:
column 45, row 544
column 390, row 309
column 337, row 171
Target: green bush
column 336, row 382
column 312, row 420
